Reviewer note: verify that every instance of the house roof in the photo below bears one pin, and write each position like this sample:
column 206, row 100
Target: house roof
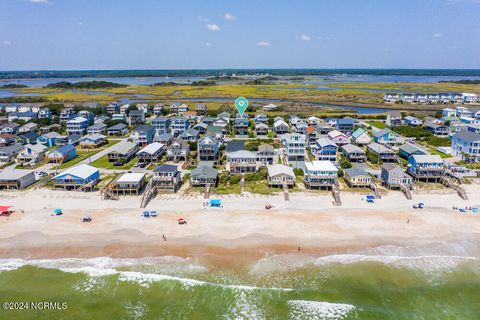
column 378, row 148
column 133, row 177
column 11, row 149
column 166, row 168
column 190, row 132
column 233, row 146
column 277, row 169
column 242, row 154
column 323, row 142
column 118, row 126
column 29, row 135
column 97, row 126
column 431, row 158
column 14, row 174
column 93, row 137
column 152, row 148
column 135, row 113
column 77, row 120
column 36, row 147
column 351, row 148
column 65, row 149
column 143, row 128
column 125, row 147
column 468, row 136
column 411, row 148
column 265, row 147
column 204, row 171
column 357, row 133
column 261, row 126
column 346, row 120
column 82, row 171
column 381, row 132
column 320, row 166
column 394, row 114
column 355, row 172
column 336, row 133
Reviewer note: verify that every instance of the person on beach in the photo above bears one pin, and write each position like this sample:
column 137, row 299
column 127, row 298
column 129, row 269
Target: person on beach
column 408, row 221
column 164, row 238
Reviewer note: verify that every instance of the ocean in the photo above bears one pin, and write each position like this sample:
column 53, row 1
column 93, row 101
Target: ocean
column 438, row 281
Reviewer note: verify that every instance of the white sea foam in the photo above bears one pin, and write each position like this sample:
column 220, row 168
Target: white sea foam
column 423, row 263
column 317, row 310
column 136, row 310
column 245, row 307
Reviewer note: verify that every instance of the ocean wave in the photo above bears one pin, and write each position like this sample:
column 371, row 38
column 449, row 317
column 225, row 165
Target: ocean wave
column 104, row 266
column 302, row 309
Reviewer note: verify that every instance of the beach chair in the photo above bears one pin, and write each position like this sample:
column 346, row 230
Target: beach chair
column 146, row 214
column 153, row 213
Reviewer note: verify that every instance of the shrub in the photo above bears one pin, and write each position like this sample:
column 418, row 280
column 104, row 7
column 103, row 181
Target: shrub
column 298, row 172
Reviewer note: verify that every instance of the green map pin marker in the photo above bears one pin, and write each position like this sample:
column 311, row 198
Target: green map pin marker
column 241, row 104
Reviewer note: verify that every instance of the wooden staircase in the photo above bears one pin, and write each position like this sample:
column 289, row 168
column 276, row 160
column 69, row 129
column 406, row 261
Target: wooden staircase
column 149, row 193
column 207, row 191
column 106, row 191
column 286, row 195
column 336, row 194
column 449, row 184
column 375, row 189
column 406, row 191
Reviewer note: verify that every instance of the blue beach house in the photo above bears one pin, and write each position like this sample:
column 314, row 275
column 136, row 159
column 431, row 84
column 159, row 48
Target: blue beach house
column 62, row 154
column 83, row 177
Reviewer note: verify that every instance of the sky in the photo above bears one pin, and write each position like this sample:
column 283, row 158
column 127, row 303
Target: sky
column 211, row 34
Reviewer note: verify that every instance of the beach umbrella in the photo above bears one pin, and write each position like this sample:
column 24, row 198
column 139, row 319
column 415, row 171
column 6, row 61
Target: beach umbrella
column 57, row 211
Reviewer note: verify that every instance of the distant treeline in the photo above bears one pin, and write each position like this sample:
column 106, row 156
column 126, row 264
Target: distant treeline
column 23, row 99
column 239, row 72
column 85, row 85
column 194, row 83
column 13, row 86
column 262, row 80
column 462, row 81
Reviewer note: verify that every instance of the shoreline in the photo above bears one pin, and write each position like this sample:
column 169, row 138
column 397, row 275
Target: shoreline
column 239, row 233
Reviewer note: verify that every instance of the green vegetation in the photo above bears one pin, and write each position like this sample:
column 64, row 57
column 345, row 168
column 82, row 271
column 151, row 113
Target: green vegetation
column 83, row 154
column 227, row 184
column 377, row 124
column 345, row 163
column 373, row 158
column 408, row 131
column 86, row 85
column 13, row 86
column 103, row 163
column 439, row 141
column 298, row 172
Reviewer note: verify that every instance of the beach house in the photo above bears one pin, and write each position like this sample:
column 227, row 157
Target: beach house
column 136, row 117
column 31, row 154
column 61, row 154
column 123, row 152
column 356, row 177
column 203, row 175
column 94, row 140
column 394, row 118
column 208, row 148
column 391, row 97
column 260, row 118
column 345, row 125
column 242, row 161
column 16, row 179
column 382, row 153
column 24, row 116
column 165, row 138
column 82, row 177
column 325, row 149
column 412, row 121
column 49, row 139
column 320, row 175
column 201, row 109
column 280, row 127
column 261, row 129
column 295, row 146
column 466, row 144
column 161, row 125
column 385, row 136
column 113, row 107
column 98, row 128
column 159, row 109
column 77, row 125
column 301, row 127
column 28, row 127
column 151, row 153
column 178, row 151
column 87, row 115
column 142, row 135
column 353, row 153
column 338, row 137
column 44, row 113
column 119, row 117
column 167, row 178
column 6, row 139
column 280, row 175
column 393, row 177
column 408, row 149
column 361, row 137
column 265, row 154
column 190, row 135
column 10, row 152
column 128, row 183
column 201, row 127
column 11, row 127
column 440, row 130
column 428, row 168
column 179, row 125
column 241, row 124
column 178, row 108
column 67, row 114
column 118, row 129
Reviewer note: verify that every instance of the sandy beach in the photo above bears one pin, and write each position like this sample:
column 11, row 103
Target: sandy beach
column 243, row 226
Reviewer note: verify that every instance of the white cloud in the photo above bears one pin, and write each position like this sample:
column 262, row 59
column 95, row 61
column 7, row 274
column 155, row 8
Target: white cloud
column 213, row 27
column 438, row 35
column 304, row 37
column 208, row 44
column 229, row 16
column 7, row 43
column 41, row 1
column 263, row 44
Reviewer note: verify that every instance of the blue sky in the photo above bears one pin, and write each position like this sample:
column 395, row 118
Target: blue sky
column 184, row 34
